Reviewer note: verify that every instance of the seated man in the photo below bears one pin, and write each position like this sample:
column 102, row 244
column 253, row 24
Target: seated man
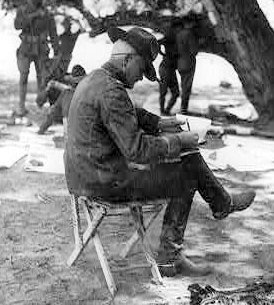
column 106, row 132
column 59, row 96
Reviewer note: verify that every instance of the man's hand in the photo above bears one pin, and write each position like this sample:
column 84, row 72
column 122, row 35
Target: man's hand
column 188, row 139
column 172, row 124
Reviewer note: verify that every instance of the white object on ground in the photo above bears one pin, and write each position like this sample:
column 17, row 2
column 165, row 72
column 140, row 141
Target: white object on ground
column 242, row 154
column 196, row 124
column 201, row 106
column 242, row 109
column 253, row 143
column 10, row 154
column 45, row 159
column 245, row 112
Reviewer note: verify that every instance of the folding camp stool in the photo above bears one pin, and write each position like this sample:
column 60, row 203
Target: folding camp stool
column 95, row 211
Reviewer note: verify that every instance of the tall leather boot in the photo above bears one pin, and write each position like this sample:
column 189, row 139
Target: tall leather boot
column 171, row 103
column 171, row 258
column 23, row 86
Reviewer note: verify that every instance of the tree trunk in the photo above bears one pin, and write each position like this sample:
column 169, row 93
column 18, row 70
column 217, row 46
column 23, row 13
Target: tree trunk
column 248, row 42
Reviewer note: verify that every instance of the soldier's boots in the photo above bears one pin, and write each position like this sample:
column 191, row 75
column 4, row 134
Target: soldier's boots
column 239, row 202
column 184, row 266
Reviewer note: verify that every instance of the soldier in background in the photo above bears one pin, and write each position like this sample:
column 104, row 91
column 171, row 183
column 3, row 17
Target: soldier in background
column 36, row 25
column 187, row 46
column 58, row 66
column 167, row 71
column 59, row 95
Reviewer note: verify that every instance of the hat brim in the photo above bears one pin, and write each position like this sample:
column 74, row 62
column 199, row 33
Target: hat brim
column 150, row 72
column 115, row 33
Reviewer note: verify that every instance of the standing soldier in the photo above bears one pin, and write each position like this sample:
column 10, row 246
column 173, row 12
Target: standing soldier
column 167, row 72
column 36, row 25
column 187, row 44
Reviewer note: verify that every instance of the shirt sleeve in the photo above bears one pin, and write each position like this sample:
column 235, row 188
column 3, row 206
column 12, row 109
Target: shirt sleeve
column 53, row 113
column 148, row 121
column 120, row 118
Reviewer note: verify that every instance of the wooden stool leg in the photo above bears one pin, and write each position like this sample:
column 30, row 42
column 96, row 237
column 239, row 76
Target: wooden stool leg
column 151, row 260
column 147, row 249
column 153, row 266
column 91, row 229
column 76, row 230
column 136, row 237
column 100, row 252
column 104, row 264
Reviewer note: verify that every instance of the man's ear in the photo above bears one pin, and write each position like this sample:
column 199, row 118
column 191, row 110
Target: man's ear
column 128, row 58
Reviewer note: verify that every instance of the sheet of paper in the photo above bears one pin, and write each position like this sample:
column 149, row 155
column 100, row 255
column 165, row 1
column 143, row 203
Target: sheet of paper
column 45, row 160
column 241, row 158
column 10, row 154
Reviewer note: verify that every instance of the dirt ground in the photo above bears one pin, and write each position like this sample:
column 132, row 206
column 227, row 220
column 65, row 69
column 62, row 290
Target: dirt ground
column 36, row 238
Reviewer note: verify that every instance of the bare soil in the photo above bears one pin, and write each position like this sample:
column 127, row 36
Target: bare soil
column 36, row 239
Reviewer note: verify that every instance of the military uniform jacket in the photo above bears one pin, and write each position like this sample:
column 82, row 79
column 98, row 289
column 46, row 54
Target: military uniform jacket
column 106, row 132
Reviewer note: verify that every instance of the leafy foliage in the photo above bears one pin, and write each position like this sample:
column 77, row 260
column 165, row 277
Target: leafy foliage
column 12, row 4
column 120, row 4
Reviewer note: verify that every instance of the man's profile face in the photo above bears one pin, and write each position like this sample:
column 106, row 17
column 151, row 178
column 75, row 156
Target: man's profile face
column 135, row 69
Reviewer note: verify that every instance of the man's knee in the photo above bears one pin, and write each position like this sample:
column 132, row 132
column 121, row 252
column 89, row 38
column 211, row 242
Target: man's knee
column 163, row 88
column 24, row 78
column 41, row 98
column 175, row 92
column 23, row 62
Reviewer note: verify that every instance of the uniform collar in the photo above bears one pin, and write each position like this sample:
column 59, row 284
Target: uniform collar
column 116, row 73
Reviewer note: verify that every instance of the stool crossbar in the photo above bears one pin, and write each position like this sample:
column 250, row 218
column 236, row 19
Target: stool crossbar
column 94, row 212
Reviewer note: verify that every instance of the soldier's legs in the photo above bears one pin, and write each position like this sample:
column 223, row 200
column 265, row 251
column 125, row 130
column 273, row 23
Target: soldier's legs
column 23, row 63
column 173, row 227
column 46, row 71
column 39, row 63
column 174, row 89
column 186, row 85
column 163, row 86
column 63, row 68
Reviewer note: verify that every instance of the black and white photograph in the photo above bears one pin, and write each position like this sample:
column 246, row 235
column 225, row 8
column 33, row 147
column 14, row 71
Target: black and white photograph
column 136, row 152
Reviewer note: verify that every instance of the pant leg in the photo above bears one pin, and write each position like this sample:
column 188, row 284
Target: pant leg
column 174, row 89
column 46, row 71
column 173, row 228
column 55, row 112
column 169, row 180
column 39, row 67
column 186, row 86
column 23, row 63
column 163, row 86
column 177, row 181
column 63, row 67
